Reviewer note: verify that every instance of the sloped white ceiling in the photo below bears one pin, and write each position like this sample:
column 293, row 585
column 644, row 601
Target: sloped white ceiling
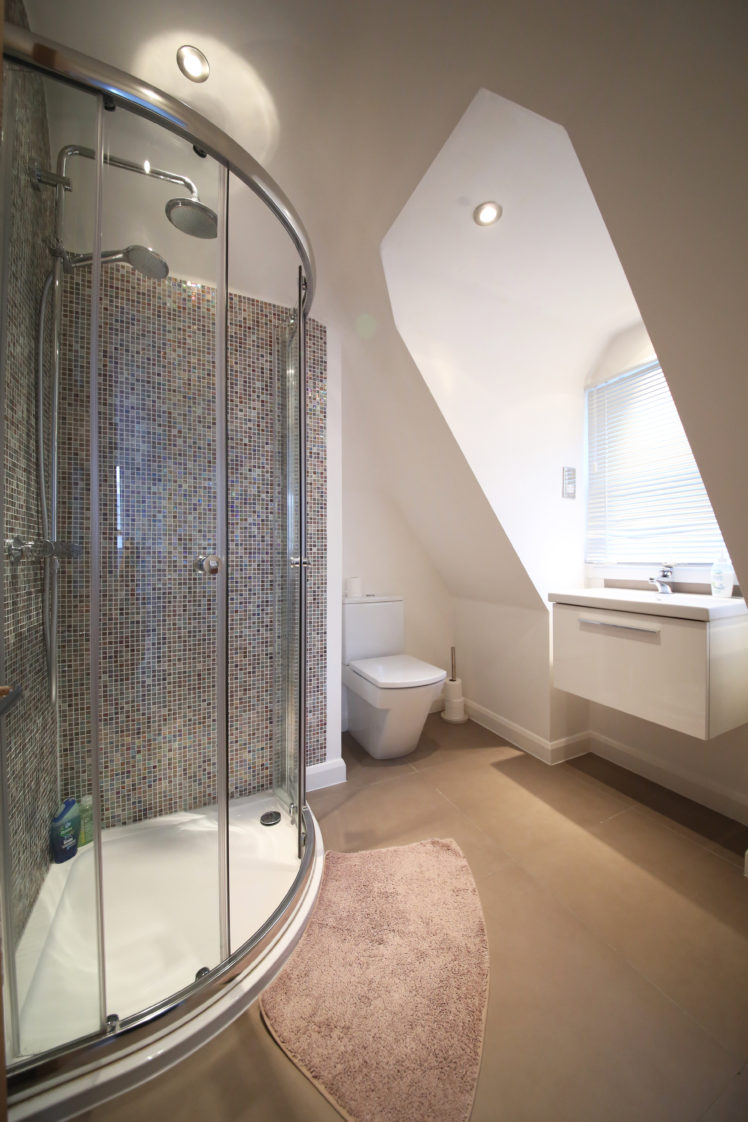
column 504, row 322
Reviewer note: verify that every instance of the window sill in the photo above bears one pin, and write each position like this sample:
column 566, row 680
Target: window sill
column 686, row 578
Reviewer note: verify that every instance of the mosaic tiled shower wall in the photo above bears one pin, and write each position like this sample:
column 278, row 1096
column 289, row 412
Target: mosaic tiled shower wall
column 157, row 478
column 30, row 731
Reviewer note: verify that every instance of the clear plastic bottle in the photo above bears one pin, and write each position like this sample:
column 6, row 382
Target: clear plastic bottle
column 723, row 577
column 86, row 808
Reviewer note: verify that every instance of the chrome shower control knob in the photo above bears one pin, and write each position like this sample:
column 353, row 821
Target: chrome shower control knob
column 208, row 564
column 15, row 549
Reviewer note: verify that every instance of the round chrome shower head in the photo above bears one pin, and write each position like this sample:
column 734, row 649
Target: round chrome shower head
column 192, row 217
column 146, row 261
column 139, row 257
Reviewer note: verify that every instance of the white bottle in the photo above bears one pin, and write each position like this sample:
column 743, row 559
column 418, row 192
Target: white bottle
column 723, row 576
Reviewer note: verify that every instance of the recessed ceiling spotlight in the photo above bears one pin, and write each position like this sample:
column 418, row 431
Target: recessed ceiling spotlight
column 193, row 63
column 487, row 213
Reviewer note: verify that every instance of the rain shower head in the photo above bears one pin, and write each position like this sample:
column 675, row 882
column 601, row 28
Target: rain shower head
column 139, row 257
column 192, row 217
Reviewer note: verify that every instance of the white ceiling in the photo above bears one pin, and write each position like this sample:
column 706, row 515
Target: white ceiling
column 505, row 322
column 262, row 259
column 324, row 119
column 348, row 104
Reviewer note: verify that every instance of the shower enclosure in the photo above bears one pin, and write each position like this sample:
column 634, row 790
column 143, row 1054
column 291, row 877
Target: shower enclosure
column 155, row 567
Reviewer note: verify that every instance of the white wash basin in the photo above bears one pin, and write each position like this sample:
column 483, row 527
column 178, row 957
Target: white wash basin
column 678, row 660
column 682, row 605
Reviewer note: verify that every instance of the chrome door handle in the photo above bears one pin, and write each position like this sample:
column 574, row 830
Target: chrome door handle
column 294, row 562
column 207, row 564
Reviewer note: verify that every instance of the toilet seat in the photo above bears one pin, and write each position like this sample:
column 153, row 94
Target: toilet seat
column 397, row 672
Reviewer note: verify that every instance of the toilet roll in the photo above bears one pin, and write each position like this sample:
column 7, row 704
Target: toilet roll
column 454, row 712
column 352, row 588
column 454, row 702
column 453, row 689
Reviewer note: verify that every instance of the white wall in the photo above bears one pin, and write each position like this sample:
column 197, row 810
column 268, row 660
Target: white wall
column 503, row 661
column 712, row 772
column 379, row 544
column 416, row 520
column 653, row 98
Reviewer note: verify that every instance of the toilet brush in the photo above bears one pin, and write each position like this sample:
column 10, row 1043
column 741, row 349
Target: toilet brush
column 454, row 702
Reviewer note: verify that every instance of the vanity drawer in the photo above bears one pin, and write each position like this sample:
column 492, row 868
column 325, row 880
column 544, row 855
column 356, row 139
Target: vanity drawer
column 654, row 667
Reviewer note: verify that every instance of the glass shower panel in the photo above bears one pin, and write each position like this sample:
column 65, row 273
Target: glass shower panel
column 263, row 634
column 290, row 378
column 159, row 578
column 50, row 907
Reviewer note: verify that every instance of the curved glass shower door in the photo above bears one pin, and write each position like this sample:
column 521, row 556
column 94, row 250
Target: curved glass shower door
column 53, row 983
column 264, row 572
column 153, row 570
column 161, row 519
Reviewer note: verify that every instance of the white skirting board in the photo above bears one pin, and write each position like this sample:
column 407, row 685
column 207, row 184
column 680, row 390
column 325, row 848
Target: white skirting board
column 696, row 787
column 326, row 774
column 549, row 751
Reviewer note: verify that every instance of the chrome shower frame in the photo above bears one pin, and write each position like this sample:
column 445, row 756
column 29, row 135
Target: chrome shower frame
column 120, row 88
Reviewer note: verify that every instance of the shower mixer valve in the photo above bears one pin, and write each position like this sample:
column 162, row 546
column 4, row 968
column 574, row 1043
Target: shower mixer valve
column 16, row 549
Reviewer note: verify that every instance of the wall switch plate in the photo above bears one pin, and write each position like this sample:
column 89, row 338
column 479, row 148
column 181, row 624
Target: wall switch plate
column 569, row 483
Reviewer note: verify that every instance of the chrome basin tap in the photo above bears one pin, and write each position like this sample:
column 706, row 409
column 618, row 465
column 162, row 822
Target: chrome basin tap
column 662, row 581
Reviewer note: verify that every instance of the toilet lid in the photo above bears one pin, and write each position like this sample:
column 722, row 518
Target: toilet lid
column 393, row 672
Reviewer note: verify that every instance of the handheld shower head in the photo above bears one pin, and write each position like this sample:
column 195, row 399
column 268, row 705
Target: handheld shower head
column 145, row 261
column 192, row 217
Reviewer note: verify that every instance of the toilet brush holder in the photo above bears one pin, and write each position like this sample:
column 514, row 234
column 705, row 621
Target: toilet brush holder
column 454, row 702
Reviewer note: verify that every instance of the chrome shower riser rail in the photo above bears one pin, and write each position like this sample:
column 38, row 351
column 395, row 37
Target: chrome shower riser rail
column 155, row 105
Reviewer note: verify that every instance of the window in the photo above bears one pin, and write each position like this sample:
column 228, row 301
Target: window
column 646, row 501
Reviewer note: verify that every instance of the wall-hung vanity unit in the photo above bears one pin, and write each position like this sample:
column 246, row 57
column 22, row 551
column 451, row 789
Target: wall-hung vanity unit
column 678, row 660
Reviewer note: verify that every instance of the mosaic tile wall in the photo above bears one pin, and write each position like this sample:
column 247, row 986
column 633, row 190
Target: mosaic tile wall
column 157, row 515
column 316, row 490
column 30, row 738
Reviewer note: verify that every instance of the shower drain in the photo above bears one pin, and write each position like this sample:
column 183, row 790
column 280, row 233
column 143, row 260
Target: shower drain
column 270, row 818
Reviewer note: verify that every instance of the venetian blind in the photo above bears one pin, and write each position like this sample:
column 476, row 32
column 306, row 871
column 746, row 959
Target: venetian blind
column 646, row 500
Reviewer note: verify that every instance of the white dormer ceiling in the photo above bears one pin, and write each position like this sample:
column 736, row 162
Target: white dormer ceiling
column 505, row 322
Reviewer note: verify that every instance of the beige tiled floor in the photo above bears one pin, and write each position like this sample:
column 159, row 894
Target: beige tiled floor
column 617, row 917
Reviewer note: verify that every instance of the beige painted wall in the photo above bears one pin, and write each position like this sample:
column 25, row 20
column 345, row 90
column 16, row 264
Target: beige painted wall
column 654, row 96
column 651, row 157
column 504, row 661
column 713, row 772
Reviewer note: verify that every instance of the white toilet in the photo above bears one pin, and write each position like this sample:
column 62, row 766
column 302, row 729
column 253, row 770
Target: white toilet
column 389, row 692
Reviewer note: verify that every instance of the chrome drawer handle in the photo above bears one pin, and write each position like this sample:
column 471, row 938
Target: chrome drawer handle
column 620, row 626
